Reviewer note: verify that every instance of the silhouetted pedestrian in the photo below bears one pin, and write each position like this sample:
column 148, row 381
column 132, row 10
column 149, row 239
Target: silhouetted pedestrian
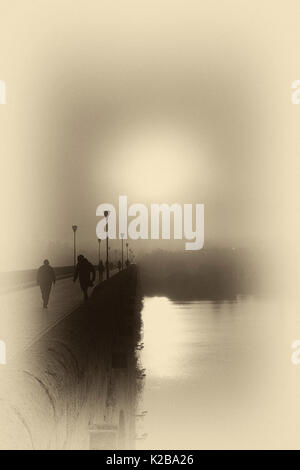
column 83, row 270
column 45, row 278
column 119, row 265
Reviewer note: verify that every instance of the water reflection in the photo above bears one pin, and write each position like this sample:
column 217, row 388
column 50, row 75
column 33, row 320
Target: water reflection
column 217, row 375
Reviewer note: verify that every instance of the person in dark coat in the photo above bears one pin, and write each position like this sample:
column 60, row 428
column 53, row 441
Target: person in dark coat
column 86, row 273
column 45, row 279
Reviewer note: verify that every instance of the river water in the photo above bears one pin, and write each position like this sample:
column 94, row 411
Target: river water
column 219, row 375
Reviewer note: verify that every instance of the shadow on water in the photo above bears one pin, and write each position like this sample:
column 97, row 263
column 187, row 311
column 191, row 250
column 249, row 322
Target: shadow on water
column 211, row 275
column 210, row 369
column 185, row 286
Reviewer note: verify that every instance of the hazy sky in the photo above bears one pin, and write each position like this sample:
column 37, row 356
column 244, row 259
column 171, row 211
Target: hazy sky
column 161, row 101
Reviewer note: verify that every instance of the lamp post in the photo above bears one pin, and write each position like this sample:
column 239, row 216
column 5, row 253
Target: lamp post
column 99, row 257
column 99, row 260
column 127, row 253
column 106, row 214
column 122, row 236
column 74, row 228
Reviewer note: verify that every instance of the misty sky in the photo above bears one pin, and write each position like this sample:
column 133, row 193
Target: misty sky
column 159, row 101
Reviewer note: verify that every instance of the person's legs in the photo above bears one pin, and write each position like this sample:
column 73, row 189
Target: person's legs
column 47, row 293
column 45, row 289
column 43, row 294
column 84, row 288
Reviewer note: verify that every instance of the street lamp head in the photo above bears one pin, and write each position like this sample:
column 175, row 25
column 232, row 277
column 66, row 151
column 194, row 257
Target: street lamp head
column 74, row 227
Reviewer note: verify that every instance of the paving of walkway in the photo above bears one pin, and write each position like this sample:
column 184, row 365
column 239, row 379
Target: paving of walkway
column 23, row 319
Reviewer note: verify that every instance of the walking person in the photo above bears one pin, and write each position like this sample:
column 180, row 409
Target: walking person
column 119, row 266
column 45, row 279
column 86, row 273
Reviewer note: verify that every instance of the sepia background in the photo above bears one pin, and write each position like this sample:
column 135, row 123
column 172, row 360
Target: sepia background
column 164, row 101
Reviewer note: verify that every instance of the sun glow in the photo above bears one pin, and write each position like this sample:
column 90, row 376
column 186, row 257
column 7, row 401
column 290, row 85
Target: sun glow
column 156, row 162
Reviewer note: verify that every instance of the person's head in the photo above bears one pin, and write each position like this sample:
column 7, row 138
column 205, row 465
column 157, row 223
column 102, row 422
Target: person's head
column 46, row 262
column 80, row 258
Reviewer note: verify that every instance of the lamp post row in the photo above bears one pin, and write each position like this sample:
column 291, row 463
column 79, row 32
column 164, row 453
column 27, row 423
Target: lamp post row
column 75, row 227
